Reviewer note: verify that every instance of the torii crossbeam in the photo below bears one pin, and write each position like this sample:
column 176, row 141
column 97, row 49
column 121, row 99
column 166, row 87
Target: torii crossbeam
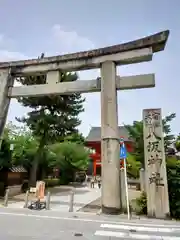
column 106, row 59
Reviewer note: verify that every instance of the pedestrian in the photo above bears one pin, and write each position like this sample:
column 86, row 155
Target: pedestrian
column 92, row 182
column 99, row 183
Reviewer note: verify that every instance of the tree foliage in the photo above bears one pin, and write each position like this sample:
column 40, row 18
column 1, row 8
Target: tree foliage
column 177, row 143
column 168, row 137
column 173, row 175
column 69, row 157
column 136, row 134
column 5, row 154
column 5, row 151
column 75, row 137
column 25, row 148
column 51, row 118
column 132, row 166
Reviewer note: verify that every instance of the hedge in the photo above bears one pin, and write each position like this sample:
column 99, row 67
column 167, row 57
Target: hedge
column 173, row 176
column 52, row 182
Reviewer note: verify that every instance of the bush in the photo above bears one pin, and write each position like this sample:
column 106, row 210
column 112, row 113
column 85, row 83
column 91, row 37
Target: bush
column 142, row 204
column 52, row 182
column 64, row 181
column 173, row 174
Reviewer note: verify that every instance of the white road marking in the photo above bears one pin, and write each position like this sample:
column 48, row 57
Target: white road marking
column 139, row 228
column 110, row 234
column 133, row 236
column 89, row 220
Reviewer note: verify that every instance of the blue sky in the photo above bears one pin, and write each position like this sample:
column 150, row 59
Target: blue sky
column 29, row 28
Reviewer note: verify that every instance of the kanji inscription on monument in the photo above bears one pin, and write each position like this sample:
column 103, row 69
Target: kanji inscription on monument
column 155, row 165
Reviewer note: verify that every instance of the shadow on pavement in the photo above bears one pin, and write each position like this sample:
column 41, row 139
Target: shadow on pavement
column 93, row 206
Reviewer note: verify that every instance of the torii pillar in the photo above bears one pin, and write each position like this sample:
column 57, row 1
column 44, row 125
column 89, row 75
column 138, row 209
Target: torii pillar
column 110, row 140
column 5, row 82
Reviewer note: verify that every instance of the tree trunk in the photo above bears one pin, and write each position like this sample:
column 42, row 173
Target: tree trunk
column 41, row 173
column 33, row 173
column 34, row 168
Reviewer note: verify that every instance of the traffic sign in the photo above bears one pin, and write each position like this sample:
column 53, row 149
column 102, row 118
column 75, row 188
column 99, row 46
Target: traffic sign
column 123, row 155
column 123, row 151
column 121, row 140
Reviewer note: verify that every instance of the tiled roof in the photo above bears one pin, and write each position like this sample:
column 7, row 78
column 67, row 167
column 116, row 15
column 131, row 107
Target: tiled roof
column 20, row 169
column 95, row 134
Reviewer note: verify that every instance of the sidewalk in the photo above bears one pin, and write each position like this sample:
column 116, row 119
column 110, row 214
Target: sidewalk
column 82, row 197
column 60, row 201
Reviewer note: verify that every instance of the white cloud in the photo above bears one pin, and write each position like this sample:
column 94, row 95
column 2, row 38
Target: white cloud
column 70, row 41
column 6, row 55
column 65, row 41
column 16, row 110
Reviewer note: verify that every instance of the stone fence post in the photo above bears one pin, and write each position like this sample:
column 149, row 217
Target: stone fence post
column 142, row 180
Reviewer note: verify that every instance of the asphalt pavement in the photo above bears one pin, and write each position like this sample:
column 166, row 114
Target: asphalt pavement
column 17, row 224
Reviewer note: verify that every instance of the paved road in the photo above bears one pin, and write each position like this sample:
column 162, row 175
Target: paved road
column 20, row 224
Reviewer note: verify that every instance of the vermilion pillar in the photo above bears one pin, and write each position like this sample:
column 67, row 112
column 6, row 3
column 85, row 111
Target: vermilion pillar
column 94, row 167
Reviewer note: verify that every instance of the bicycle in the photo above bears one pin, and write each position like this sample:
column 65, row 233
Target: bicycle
column 37, row 205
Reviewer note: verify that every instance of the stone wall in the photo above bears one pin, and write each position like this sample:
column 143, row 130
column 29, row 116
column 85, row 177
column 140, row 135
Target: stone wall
column 14, row 190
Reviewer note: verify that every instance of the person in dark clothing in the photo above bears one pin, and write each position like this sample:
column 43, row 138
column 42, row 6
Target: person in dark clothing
column 92, row 182
column 99, row 183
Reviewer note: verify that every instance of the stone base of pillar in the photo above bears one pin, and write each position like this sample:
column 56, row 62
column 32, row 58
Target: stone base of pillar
column 167, row 217
column 110, row 210
column 142, row 180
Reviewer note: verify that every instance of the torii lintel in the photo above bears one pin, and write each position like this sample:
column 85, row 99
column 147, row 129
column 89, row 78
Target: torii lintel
column 126, row 53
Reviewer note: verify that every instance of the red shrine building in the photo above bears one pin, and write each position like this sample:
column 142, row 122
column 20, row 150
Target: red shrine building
column 93, row 141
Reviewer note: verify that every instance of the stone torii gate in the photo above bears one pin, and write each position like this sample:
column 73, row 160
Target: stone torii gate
column 106, row 59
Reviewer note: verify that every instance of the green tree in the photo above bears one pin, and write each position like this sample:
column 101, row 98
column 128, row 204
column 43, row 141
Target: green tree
column 173, row 176
column 69, row 157
column 132, row 166
column 5, row 151
column 25, row 148
column 136, row 134
column 5, row 154
column 177, row 143
column 168, row 138
column 52, row 117
column 75, row 137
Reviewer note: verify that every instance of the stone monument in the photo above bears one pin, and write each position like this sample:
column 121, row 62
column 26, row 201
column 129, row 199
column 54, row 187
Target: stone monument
column 155, row 164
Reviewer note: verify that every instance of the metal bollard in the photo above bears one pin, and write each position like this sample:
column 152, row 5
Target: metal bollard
column 48, row 201
column 6, row 197
column 26, row 199
column 71, row 202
